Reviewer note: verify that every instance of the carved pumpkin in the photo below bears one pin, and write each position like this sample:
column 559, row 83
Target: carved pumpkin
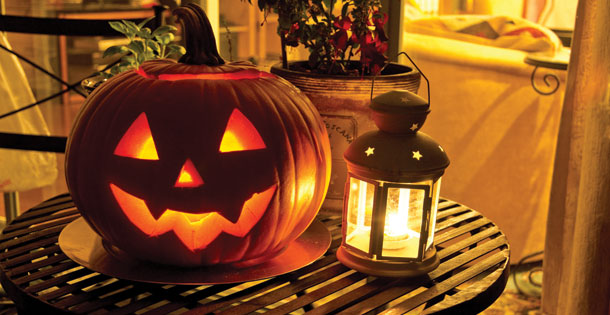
column 198, row 162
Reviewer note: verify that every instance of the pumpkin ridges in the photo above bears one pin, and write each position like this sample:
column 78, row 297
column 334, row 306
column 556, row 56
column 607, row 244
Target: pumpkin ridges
column 92, row 114
column 284, row 222
column 270, row 234
column 77, row 137
column 293, row 123
column 312, row 120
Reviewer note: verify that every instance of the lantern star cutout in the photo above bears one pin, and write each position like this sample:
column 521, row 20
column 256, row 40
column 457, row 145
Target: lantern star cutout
column 370, row 151
column 417, row 155
column 414, row 127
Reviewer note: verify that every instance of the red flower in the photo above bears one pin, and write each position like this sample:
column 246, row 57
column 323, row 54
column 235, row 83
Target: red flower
column 339, row 38
column 344, row 23
column 372, row 53
column 292, row 37
column 379, row 20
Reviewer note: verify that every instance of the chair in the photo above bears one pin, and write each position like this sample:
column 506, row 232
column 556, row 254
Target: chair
column 59, row 27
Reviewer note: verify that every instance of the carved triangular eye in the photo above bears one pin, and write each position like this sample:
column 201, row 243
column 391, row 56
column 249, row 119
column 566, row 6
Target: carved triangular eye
column 137, row 142
column 240, row 135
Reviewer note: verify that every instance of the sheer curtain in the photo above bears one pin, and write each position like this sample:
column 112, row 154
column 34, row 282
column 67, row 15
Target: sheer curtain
column 21, row 170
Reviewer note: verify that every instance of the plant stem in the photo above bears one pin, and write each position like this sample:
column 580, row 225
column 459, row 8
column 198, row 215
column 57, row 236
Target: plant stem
column 284, row 54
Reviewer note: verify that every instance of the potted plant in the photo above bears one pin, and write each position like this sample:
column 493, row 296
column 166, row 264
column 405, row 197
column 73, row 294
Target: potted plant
column 347, row 45
column 142, row 44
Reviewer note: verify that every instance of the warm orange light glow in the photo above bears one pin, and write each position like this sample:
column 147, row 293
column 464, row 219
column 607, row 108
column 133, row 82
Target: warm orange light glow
column 240, row 135
column 196, row 231
column 137, row 142
column 189, row 177
column 247, row 74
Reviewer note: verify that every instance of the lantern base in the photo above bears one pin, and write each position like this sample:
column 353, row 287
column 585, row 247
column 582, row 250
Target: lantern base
column 387, row 268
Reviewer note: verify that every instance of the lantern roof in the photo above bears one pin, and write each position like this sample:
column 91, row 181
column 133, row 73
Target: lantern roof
column 396, row 157
column 398, row 151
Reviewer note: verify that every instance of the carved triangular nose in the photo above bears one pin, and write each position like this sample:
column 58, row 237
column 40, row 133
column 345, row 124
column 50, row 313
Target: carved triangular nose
column 188, row 177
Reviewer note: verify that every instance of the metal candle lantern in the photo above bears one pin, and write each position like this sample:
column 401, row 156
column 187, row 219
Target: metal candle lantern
column 392, row 191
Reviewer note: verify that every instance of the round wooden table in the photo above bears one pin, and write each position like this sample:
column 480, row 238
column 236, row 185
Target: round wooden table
column 41, row 279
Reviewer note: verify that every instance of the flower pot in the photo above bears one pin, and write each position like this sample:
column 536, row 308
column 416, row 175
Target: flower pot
column 343, row 102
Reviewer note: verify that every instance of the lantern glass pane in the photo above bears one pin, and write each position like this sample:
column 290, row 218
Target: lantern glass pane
column 359, row 214
column 434, row 208
column 403, row 221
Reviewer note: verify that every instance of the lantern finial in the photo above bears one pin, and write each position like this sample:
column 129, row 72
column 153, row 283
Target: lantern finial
column 399, row 111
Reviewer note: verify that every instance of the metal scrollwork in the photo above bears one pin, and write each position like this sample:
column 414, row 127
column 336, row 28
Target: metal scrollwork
column 550, row 79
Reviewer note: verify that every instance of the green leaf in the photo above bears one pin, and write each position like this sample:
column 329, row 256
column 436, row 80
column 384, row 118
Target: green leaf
column 144, row 22
column 141, row 58
column 145, row 33
column 154, row 46
column 164, row 29
column 176, row 49
column 131, row 26
column 128, row 61
column 119, row 27
column 148, row 55
column 113, row 50
column 165, row 39
column 137, row 47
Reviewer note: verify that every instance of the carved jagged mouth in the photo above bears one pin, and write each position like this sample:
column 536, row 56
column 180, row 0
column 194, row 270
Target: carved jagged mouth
column 196, row 231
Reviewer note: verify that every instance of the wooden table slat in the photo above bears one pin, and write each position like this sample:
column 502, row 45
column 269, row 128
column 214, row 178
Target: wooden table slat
column 59, row 199
column 454, row 248
column 453, row 211
column 401, row 289
column 354, row 296
column 291, row 289
column 467, row 228
column 17, row 223
column 460, row 219
column 68, row 288
column 37, row 265
column 63, row 217
column 23, row 235
column 445, row 286
column 27, row 258
column 26, row 248
column 264, row 286
column 318, row 294
column 92, row 294
column 468, row 244
column 157, row 295
column 58, row 280
column 109, row 300
column 459, row 261
column 46, row 272
column 471, row 293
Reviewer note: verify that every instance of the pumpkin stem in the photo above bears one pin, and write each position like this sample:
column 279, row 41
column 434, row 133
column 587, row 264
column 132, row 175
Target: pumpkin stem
column 199, row 36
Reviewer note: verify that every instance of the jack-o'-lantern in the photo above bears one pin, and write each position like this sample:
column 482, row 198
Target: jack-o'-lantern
column 198, row 162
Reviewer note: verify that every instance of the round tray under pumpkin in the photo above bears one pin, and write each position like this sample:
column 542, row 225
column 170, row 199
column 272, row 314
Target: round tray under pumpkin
column 79, row 242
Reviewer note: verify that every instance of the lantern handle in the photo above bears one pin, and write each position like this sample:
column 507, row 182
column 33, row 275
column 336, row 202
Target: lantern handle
column 416, row 67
